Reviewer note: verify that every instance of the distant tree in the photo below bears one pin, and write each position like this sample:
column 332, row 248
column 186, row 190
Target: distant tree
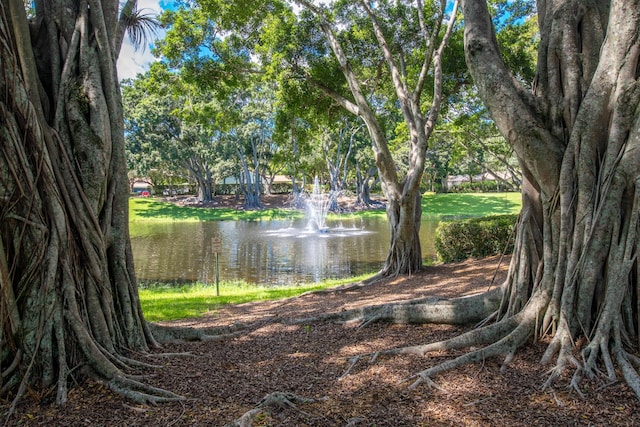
column 365, row 58
column 171, row 125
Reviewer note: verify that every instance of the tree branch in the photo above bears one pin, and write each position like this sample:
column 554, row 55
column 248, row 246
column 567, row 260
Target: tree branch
column 515, row 112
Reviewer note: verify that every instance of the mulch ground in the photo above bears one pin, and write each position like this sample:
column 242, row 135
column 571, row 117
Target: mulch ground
column 224, row 379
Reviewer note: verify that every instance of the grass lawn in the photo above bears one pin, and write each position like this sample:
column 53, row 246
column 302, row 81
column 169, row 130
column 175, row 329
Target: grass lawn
column 433, row 205
column 149, row 209
column 165, row 302
column 470, row 204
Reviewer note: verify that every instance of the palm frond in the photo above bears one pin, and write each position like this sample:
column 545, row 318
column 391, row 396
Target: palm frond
column 141, row 27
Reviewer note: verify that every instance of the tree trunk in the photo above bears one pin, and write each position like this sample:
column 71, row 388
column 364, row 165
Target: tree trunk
column 405, row 253
column 363, row 187
column 69, row 294
column 574, row 273
column 201, row 172
column 403, row 193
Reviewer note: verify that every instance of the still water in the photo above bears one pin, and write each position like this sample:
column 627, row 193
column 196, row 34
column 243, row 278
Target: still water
column 278, row 252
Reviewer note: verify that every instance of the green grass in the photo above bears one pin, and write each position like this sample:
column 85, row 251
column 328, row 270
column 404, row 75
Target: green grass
column 452, row 205
column 465, row 205
column 149, row 209
column 165, row 302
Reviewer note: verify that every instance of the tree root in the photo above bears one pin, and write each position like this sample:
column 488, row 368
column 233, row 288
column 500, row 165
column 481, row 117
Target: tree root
column 140, row 392
column 455, row 311
column 504, row 346
column 172, row 334
column 501, row 338
column 472, row 338
column 276, row 400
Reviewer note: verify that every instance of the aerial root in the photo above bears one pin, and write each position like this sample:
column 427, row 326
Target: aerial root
column 140, row 392
column 626, row 361
column 596, row 351
column 276, row 400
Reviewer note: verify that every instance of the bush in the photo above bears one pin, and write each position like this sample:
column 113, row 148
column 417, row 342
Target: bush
column 476, row 237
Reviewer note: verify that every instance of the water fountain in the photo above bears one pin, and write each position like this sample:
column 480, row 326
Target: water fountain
column 314, row 225
column 317, row 207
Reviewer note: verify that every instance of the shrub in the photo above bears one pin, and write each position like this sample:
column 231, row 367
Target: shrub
column 476, row 237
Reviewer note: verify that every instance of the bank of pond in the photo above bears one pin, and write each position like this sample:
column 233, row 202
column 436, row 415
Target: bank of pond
column 273, row 254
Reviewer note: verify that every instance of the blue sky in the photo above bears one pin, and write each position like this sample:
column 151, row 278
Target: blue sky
column 130, row 61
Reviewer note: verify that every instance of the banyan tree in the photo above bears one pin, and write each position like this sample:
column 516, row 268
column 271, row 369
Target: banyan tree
column 69, row 300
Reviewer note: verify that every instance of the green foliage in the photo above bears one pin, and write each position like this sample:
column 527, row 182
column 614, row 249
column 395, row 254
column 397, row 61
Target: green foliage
column 517, row 33
column 478, row 186
column 475, row 238
column 162, row 302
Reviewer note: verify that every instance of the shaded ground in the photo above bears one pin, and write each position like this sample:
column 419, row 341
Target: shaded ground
column 224, row 379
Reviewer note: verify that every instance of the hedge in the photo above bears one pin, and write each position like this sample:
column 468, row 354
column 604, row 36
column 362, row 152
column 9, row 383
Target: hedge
column 474, row 238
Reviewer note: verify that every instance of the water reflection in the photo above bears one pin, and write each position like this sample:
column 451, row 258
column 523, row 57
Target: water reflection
column 263, row 252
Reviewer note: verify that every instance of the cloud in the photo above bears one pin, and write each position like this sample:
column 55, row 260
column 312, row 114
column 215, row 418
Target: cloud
column 132, row 62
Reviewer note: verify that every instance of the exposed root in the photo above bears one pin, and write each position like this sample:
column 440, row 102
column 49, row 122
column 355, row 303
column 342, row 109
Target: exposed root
column 424, row 380
column 472, row 338
column 172, row 334
column 506, row 345
column 563, row 345
column 503, row 338
column 140, row 392
column 163, row 355
column 629, row 373
column 454, row 311
column 277, row 400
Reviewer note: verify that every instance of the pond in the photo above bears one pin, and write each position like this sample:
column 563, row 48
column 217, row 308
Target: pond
column 277, row 252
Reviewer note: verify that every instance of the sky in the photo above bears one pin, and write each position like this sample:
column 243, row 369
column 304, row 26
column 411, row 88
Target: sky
column 132, row 62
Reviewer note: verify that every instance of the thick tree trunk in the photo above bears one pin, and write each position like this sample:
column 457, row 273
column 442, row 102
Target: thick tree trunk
column 363, row 186
column 205, row 189
column 250, row 182
column 201, row 172
column 405, row 253
column 574, row 272
column 69, row 295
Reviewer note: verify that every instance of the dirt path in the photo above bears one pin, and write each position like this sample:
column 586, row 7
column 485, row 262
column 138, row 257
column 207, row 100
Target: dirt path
column 224, row 379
